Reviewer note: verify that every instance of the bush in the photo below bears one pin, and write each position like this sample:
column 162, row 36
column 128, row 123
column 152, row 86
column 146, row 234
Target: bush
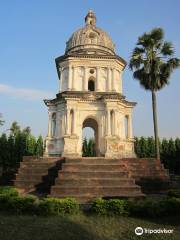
column 55, row 206
column 17, row 204
column 110, row 207
column 10, row 191
column 99, row 206
column 174, row 193
column 152, row 208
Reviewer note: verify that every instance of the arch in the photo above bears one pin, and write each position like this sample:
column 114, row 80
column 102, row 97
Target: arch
column 53, row 129
column 91, row 122
column 91, row 84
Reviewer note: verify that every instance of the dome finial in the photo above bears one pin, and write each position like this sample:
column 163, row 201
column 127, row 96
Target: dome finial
column 90, row 18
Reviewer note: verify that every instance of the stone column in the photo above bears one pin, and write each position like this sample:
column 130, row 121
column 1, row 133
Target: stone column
column 57, row 134
column 113, row 79
column 67, row 121
column 108, row 117
column 109, row 79
column 120, row 82
column 85, row 85
column 50, row 124
column 129, row 126
column 61, row 80
column 97, row 79
column 70, row 78
column 73, row 73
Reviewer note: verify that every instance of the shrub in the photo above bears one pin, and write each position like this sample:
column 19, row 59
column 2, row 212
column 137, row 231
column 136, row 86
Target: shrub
column 99, row 206
column 152, row 208
column 117, row 207
column 8, row 190
column 174, row 193
column 55, row 206
column 24, row 204
column 109, row 207
column 17, row 204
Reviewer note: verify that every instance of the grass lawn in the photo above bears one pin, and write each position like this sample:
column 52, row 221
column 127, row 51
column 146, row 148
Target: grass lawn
column 82, row 227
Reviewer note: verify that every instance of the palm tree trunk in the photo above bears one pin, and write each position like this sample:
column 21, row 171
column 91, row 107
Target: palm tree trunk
column 154, row 107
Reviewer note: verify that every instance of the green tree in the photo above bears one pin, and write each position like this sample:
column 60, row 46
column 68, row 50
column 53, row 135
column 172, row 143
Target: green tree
column 152, row 64
column 4, row 152
column 143, row 147
column 15, row 128
column 39, row 146
column 165, row 152
column 85, row 147
column 177, row 155
column 1, row 121
column 31, row 145
column 171, row 154
column 151, row 147
column 91, row 148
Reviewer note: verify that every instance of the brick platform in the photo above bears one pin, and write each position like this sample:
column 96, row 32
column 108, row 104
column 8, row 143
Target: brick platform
column 88, row 178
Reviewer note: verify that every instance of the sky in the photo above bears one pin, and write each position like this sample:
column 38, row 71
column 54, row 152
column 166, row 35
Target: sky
column 33, row 33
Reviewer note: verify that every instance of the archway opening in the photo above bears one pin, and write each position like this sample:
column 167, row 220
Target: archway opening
column 91, row 85
column 90, row 138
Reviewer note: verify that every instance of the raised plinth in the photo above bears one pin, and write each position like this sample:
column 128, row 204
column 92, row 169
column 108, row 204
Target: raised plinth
column 88, row 178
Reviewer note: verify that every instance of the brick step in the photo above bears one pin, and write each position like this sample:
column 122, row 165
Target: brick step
column 27, row 182
column 93, row 161
column 92, row 174
column 105, row 190
column 37, row 164
column 42, row 171
column 95, row 182
column 36, row 177
column 87, row 198
column 163, row 176
column 92, row 167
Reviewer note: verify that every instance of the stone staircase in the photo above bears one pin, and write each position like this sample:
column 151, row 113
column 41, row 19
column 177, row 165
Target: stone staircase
column 37, row 174
column 87, row 178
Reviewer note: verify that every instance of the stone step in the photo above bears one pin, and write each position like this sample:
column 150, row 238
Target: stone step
column 97, row 190
column 28, row 177
column 37, row 164
column 42, row 171
column 92, row 174
column 87, row 198
column 95, row 182
column 93, row 160
column 92, row 167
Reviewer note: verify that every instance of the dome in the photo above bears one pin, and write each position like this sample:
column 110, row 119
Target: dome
column 90, row 39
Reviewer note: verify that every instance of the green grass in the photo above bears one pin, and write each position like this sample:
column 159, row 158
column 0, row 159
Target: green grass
column 82, row 227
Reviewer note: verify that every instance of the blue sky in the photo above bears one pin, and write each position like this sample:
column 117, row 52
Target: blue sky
column 33, row 33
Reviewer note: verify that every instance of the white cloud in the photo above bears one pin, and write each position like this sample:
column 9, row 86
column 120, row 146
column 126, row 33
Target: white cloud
column 25, row 93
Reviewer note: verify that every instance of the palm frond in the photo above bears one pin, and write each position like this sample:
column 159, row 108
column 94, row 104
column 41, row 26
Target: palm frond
column 167, row 49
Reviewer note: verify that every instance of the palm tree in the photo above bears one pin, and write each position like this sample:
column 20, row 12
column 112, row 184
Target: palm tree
column 152, row 63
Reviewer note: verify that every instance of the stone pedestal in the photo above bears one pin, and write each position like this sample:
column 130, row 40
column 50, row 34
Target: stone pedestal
column 117, row 148
column 70, row 146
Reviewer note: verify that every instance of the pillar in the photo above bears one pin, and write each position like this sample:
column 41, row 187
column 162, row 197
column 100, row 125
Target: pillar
column 67, row 121
column 108, row 122
column 129, row 126
column 73, row 83
column 49, row 124
column 85, row 85
column 57, row 124
column 70, row 78
column 97, row 79
column 113, row 79
column 109, row 80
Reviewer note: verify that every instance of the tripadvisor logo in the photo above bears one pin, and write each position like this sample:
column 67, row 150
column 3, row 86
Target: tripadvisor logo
column 139, row 231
